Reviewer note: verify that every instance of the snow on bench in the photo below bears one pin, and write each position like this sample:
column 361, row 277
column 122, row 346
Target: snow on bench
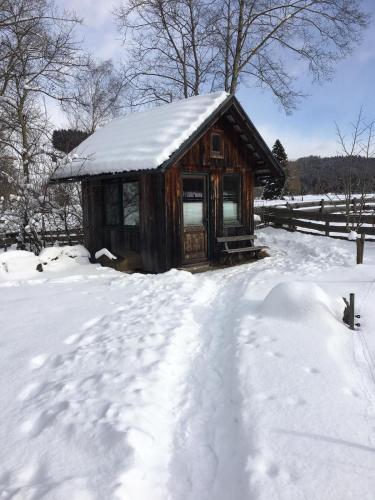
column 106, row 252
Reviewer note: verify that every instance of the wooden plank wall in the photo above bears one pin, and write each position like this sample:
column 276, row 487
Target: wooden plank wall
column 152, row 224
column 173, row 217
column 92, row 215
column 236, row 159
column 148, row 239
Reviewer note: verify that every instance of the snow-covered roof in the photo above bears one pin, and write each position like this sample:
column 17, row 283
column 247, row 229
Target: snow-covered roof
column 140, row 141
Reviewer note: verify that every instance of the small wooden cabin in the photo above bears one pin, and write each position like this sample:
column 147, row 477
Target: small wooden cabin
column 165, row 183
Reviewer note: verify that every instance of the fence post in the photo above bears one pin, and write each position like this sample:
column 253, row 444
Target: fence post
column 291, row 226
column 327, row 228
column 321, row 206
column 360, row 242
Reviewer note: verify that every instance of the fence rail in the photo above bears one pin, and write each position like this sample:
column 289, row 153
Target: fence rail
column 340, row 216
column 61, row 237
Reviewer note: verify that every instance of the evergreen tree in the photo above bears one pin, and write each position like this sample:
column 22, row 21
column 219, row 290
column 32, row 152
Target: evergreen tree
column 280, row 154
column 274, row 185
column 67, row 140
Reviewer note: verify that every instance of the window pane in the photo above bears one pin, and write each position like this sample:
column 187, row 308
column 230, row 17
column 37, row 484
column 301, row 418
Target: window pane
column 231, row 199
column 193, row 207
column 111, row 204
column 230, row 211
column 131, row 203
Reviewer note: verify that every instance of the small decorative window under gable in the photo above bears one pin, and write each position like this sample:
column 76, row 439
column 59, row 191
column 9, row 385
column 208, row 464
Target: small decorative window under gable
column 217, row 145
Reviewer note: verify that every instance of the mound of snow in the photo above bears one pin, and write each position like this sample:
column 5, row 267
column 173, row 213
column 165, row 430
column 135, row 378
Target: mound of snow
column 353, row 235
column 22, row 265
column 17, row 262
column 77, row 252
column 300, row 301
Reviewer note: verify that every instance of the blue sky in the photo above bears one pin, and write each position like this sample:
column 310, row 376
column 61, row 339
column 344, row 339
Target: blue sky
column 311, row 127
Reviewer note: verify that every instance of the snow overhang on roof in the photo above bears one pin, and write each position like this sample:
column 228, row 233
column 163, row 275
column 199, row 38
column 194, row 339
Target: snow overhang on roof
column 160, row 136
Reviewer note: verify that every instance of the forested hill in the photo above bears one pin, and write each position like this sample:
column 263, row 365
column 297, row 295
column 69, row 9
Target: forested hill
column 313, row 174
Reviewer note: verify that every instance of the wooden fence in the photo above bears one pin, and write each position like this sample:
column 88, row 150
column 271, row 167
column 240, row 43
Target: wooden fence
column 330, row 218
column 50, row 238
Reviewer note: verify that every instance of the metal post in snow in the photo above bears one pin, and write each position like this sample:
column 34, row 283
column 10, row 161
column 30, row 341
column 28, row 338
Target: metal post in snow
column 351, row 311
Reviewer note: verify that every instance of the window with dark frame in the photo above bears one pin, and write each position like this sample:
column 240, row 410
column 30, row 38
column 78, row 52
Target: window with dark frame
column 112, row 204
column 231, row 199
column 130, row 197
column 216, row 145
column 121, row 203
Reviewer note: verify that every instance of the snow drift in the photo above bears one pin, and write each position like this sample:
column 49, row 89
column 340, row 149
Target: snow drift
column 300, row 301
column 21, row 264
column 17, row 262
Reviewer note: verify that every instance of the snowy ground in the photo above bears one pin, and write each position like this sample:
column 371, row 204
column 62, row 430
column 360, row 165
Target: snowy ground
column 238, row 384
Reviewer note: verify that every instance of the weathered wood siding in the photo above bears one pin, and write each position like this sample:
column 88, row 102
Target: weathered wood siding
column 147, row 239
column 92, row 202
column 236, row 160
column 152, row 223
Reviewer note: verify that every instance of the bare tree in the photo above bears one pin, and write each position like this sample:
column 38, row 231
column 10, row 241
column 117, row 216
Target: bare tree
column 38, row 55
column 171, row 51
column 182, row 46
column 254, row 35
column 98, row 95
column 357, row 183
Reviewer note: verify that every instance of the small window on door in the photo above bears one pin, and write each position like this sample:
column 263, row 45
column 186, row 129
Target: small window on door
column 217, row 146
column 130, row 203
column 193, row 201
column 231, row 200
column 112, row 204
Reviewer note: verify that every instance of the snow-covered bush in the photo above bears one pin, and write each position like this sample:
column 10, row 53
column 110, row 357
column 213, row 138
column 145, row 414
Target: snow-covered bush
column 78, row 252
column 21, row 264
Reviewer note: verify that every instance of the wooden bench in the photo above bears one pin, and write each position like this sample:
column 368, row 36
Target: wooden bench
column 243, row 238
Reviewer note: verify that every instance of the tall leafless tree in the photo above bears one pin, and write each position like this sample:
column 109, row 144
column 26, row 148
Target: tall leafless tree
column 254, row 36
column 183, row 46
column 358, row 143
column 171, row 51
column 98, row 92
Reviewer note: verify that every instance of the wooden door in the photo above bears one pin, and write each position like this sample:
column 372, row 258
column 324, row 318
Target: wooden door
column 194, row 198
